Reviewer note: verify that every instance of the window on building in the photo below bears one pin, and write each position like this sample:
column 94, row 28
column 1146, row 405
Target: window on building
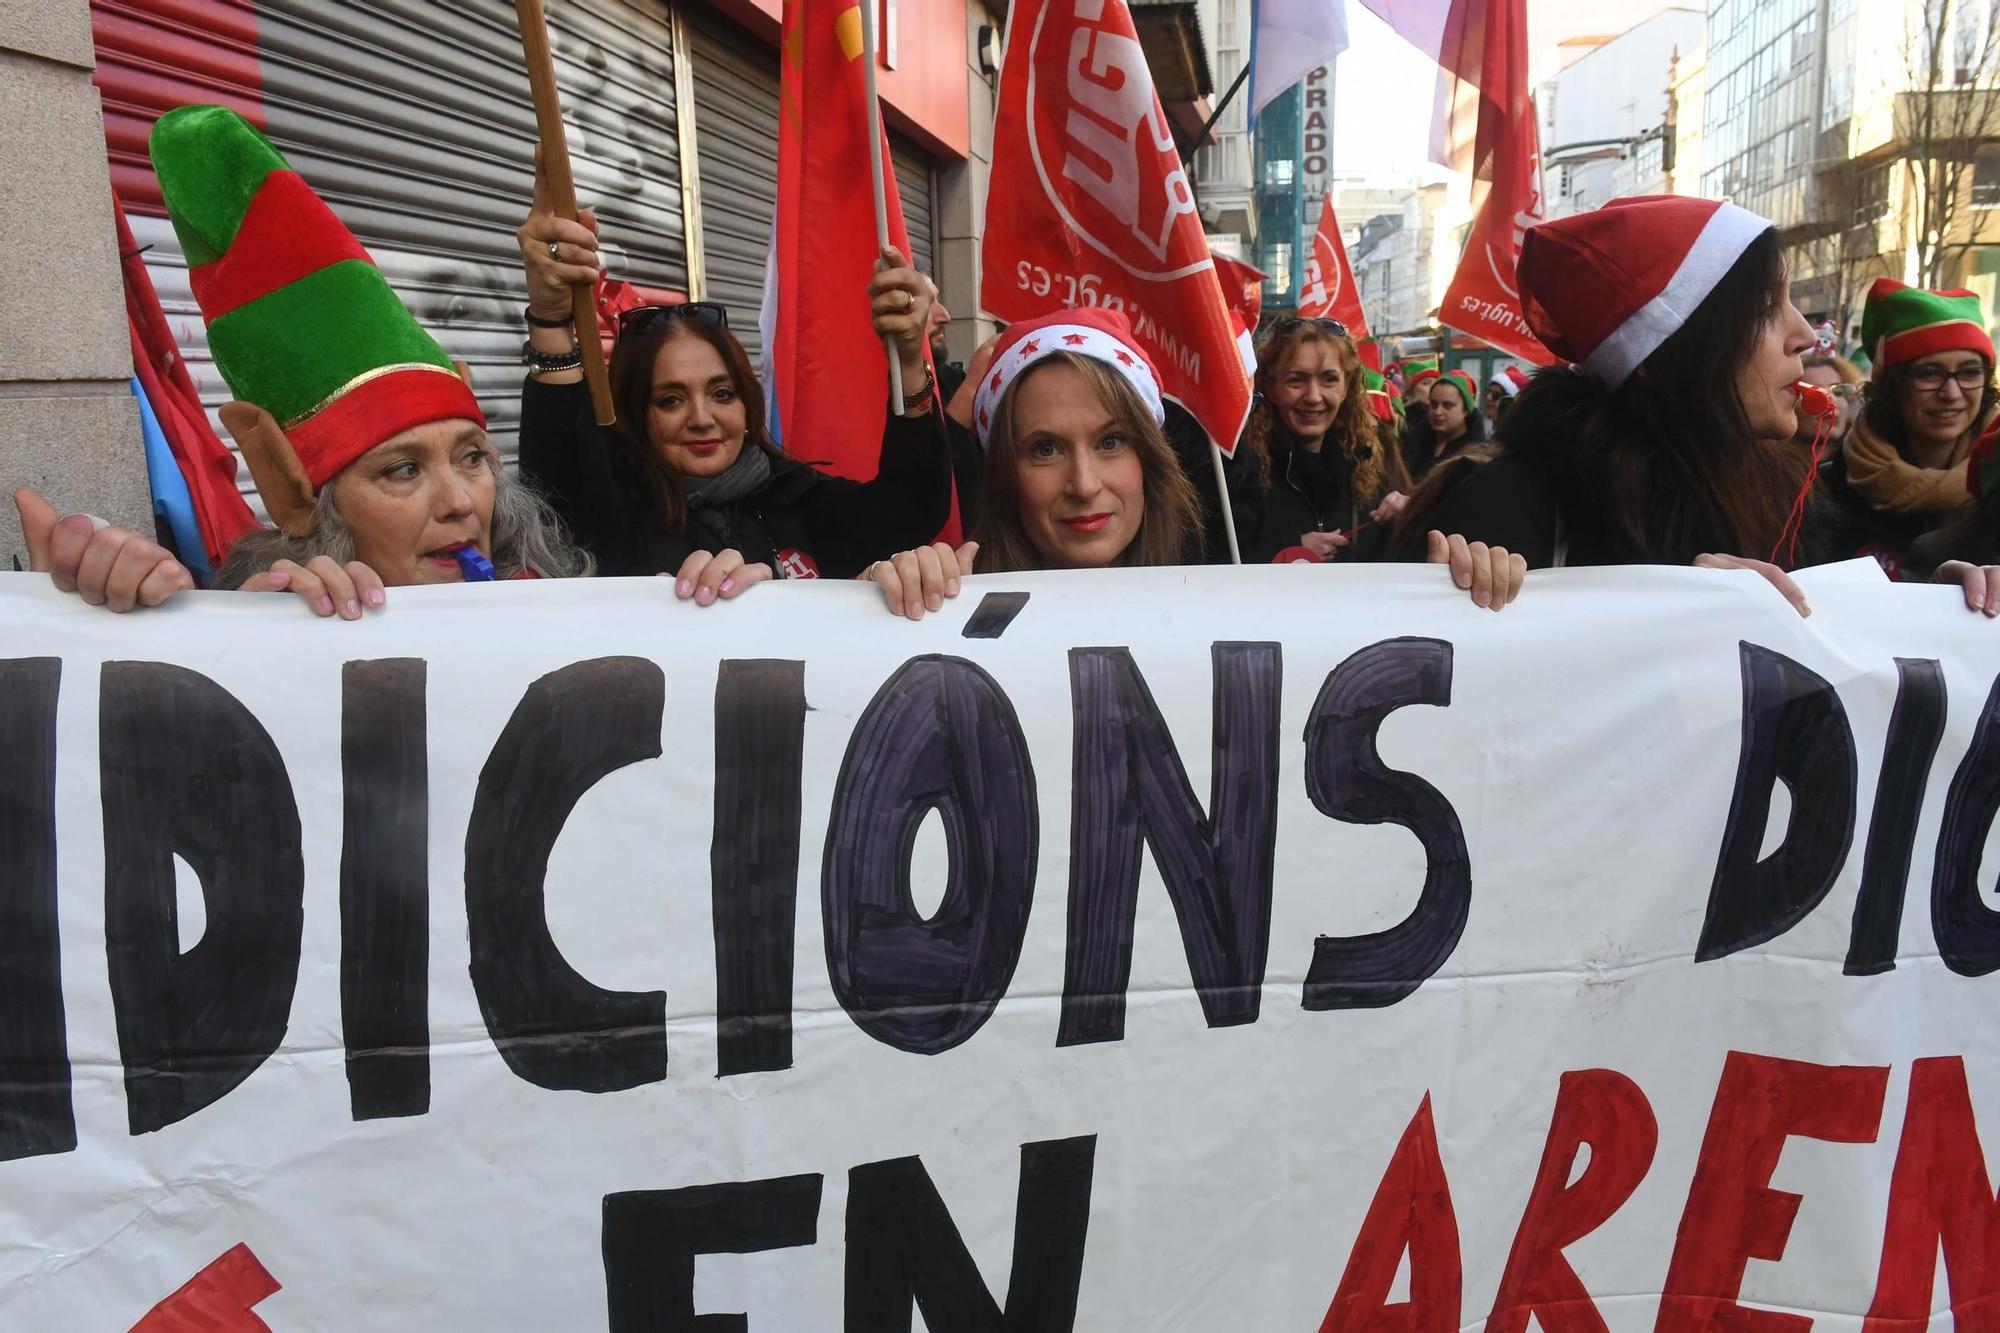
column 1986, row 178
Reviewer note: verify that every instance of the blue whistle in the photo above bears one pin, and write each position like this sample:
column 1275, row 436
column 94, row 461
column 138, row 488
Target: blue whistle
column 476, row 567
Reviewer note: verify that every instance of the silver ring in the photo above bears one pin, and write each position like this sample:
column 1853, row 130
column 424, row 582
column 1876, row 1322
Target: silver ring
column 552, row 250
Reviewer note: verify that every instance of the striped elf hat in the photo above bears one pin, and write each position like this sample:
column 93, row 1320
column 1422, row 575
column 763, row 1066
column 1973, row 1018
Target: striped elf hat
column 1901, row 323
column 320, row 353
column 1467, row 390
column 1604, row 289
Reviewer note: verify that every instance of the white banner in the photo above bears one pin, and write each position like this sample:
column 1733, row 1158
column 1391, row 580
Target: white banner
column 1280, row 949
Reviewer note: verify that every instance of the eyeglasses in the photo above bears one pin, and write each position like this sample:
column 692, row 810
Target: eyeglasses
column 707, row 314
column 1930, row 378
column 1286, row 323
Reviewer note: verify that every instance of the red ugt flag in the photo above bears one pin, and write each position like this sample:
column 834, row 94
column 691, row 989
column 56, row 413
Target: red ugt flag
column 1090, row 205
column 1484, row 298
column 1329, row 290
column 831, row 389
column 1242, row 290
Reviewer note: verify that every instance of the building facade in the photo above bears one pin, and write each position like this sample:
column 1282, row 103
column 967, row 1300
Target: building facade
column 1604, row 115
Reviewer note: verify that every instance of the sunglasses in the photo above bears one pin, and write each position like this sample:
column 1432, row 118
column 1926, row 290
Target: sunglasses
column 1286, row 323
column 707, row 314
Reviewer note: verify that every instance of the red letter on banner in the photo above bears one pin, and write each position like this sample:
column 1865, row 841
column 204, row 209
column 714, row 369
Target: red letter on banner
column 1939, row 1195
column 1411, row 1211
column 218, row 1299
column 1606, row 1110
column 1731, row 1216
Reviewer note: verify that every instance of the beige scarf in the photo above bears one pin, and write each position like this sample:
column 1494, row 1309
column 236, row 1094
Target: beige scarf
column 1893, row 484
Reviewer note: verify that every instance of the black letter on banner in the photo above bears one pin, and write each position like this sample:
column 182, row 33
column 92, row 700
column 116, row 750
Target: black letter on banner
column 902, row 1244
column 1347, row 780
column 385, row 888
column 651, row 1238
column 1915, row 729
column 1127, row 782
column 939, row 735
column 1967, row 930
column 188, row 771
column 554, row 1028
column 35, row 1112
column 760, row 731
column 1794, row 730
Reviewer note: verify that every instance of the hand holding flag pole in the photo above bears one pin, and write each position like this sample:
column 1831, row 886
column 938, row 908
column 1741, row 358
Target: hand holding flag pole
column 562, row 190
column 875, row 182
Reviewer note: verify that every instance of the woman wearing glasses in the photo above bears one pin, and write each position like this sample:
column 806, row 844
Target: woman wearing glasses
column 1904, row 468
column 1319, row 464
column 689, row 483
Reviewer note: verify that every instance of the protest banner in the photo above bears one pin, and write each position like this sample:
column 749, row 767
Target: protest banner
column 554, row 955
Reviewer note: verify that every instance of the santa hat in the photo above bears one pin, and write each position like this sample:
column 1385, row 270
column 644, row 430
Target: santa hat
column 1510, row 381
column 1604, row 289
column 1103, row 335
column 1901, row 323
column 304, row 328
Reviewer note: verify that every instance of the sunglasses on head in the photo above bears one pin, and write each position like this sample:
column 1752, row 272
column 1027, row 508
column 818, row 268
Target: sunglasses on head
column 1287, row 323
column 707, row 314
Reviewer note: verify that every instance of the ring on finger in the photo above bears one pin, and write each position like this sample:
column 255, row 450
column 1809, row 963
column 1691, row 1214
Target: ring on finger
column 553, row 248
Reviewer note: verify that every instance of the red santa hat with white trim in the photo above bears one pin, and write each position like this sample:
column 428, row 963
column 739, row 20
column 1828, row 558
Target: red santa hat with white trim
column 1604, row 289
column 1104, row 335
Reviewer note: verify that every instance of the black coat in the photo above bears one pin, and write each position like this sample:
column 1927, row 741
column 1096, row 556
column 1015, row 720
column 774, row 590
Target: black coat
column 841, row 526
column 1842, row 525
column 1306, row 491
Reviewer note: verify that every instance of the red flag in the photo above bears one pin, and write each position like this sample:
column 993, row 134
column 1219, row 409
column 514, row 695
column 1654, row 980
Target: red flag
column 1097, row 209
column 1484, row 298
column 830, row 374
column 1478, row 42
column 205, row 462
column 1330, row 289
column 1242, row 291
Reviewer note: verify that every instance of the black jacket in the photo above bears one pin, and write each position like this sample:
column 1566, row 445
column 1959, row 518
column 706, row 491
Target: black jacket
column 1842, row 525
column 841, row 526
column 1306, row 491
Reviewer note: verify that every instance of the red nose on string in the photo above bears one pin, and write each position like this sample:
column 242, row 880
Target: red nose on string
column 1818, row 404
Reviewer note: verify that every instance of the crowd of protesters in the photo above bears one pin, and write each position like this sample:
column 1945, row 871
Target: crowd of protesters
column 1697, row 420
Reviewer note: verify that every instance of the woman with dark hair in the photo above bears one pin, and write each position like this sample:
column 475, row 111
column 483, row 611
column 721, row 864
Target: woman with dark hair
column 1315, row 463
column 1668, row 440
column 1079, row 474
column 1903, row 468
column 1449, row 424
column 689, row 480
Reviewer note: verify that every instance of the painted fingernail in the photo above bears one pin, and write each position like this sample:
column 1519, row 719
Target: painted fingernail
column 353, row 609
column 684, row 588
column 325, row 605
column 375, row 597
column 705, row 596
column 728, row 586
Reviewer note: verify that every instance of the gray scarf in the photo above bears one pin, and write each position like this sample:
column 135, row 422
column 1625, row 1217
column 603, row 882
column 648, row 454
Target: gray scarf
column 750, row 473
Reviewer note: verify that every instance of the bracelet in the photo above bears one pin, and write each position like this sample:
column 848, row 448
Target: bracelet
column 914, row 400
column 543, row 363
column 538, row 322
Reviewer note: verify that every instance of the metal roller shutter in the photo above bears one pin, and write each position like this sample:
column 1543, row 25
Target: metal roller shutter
column 736, row 157
column 736, row 136
column 412, row 119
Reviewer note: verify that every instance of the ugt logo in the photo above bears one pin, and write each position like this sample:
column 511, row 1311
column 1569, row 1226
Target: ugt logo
column 1323, row 282
column 1102, row 131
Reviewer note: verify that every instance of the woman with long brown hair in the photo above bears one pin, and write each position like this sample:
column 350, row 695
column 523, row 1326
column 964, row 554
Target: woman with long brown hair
column 1315, row 460
column 689, row 482
column 1668, row 440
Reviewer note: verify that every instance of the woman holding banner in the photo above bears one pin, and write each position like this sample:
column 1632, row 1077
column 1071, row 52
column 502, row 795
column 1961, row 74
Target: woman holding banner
column 368, row 448
column 1079, row 474
column 690, row 468
column 1668, row 441
column 1318, row 462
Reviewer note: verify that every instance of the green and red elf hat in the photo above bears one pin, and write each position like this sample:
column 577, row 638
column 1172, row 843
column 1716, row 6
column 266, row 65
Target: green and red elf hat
column 324, row 360
column 1417, row 376
column 1467, row 390
column 1901, row 323
column 1982, row 477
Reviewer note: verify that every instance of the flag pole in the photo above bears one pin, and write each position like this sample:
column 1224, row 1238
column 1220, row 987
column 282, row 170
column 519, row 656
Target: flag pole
column 1222, row 494
column 562, row 193
column 875, row 180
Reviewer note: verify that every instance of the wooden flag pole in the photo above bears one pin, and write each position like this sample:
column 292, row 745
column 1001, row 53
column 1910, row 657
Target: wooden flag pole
column 562, row 193
column 875, row 180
